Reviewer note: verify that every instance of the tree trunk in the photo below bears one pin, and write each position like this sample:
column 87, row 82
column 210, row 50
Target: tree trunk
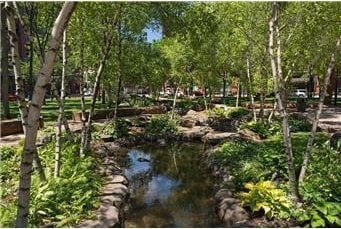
column 19, row 83
column 263, row 90
column 224, row 87
column 261, row 106
column 61, row 113
column 318, row 113
column 174, row 102
column 103, row 94
column 279, row 93
column 30, row 71
column 335, row 89
column 81, row 89
column 238, row 93
column 42, row 83
column 54, row 94
column 204, row 97
column 4, row 64
column 250, row 89
column 87, row 133
column 119, row 69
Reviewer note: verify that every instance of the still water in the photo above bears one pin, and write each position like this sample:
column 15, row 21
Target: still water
column 171, row 187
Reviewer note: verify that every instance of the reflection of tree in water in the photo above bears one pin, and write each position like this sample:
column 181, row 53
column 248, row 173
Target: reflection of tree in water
column 139, row 182
column 189, row 201
column 182, row 162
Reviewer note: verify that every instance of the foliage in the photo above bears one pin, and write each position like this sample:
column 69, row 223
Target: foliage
column 320, row 214
column 324, row 174
column 64, row 200
column 9, row 170
column 118, row 130
column 161, row 124
column 264, row 130
column 265, row 196
column 298, row 124
column 137, row 101
column 235, row 113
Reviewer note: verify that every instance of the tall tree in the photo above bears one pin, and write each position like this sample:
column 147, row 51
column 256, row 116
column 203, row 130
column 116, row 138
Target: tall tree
column 4, row 64
column 34, row 113
column 318, row 113
column 61, row 113
column 279, row 90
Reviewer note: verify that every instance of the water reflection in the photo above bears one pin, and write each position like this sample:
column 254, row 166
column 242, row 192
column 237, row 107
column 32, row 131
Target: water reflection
column 171, row 187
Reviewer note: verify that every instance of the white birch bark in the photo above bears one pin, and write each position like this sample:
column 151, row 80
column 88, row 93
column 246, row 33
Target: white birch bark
column 251, row 89
column 19, row 83
column 42, row 82
column 87, row 134
column 279, row 90
column 61, row 113
column 318, row 113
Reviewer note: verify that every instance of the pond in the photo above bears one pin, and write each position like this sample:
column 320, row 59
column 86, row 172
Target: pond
column 171, row 187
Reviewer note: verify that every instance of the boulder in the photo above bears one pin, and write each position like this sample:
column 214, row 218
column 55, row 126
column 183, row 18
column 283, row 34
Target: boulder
column 249, row 135
column 193, row 118
column 216, row 137
column 223, row 124
column 195, row 133
column 161, row 141
column 231, row 213
column 187, row 122
column 107, row 137
column 108, row 216
column 114, row 179
column 335, row 140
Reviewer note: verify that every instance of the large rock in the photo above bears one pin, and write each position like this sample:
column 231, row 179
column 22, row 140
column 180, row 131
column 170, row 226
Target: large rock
column 187, row 122
column 223, row 124
column 216, row 137
column 195, row 133
column 229, row 209
column 335, row 140
column 193, row 118
column 249, row 135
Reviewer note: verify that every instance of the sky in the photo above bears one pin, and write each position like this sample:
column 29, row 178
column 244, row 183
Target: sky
column 153, row 35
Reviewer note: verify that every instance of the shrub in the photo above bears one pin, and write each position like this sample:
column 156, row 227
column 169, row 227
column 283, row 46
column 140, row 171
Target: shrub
column 265, row 196
column 264, row 130
column 137, row 101
column 70, row 197
column 297, row 124
column 162, row 124
column 64, row 200
column 237, row 112
column 320, row 214
column 185, row 104
column 121, row 129
column 218, row 112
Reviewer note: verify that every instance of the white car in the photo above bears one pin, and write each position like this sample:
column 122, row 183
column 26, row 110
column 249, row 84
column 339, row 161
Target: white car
column 300, row 93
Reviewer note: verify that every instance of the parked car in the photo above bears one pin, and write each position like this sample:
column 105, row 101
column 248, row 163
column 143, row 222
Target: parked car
column 300, row 92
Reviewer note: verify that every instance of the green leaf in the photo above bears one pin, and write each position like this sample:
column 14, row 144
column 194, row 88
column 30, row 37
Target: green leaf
column 331, row 218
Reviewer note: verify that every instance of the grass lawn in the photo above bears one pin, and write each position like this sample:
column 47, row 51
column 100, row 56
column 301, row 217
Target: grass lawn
column 50, row 109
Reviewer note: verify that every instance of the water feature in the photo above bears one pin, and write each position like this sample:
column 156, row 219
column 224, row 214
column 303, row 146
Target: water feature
column 171, row 187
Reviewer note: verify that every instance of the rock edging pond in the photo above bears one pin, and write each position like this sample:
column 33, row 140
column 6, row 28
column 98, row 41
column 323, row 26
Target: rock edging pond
column 115, row 192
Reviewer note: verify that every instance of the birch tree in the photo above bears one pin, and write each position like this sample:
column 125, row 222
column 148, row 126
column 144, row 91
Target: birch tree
column 318, row 113
column 4, row 63
column 279, row 90
column 61, row 112
column 33, row 113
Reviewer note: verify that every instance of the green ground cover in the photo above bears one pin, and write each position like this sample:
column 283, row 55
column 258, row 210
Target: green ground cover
column 64, row 200
column 260, row 174
column 49, row 110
